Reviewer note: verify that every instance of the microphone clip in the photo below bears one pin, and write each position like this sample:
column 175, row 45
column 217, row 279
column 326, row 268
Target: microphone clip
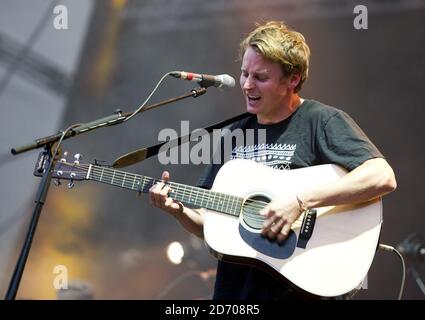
column 199, row 91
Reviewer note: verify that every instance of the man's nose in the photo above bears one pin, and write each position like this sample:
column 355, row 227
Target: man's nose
column 248, row 84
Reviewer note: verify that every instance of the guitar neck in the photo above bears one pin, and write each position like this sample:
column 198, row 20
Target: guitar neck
column 186, row 194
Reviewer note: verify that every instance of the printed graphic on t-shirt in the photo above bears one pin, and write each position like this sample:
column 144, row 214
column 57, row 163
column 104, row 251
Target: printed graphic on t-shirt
column 277, row 156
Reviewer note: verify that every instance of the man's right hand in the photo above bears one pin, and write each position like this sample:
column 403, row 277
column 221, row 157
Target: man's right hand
column 158, row 197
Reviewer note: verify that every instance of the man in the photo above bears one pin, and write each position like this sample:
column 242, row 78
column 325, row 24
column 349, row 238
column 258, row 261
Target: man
column 275, row 62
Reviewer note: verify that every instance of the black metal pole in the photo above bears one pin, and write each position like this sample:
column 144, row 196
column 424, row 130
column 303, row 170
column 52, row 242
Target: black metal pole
column 39, row 200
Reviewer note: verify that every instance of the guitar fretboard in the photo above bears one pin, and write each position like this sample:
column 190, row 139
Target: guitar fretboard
column 188, row 195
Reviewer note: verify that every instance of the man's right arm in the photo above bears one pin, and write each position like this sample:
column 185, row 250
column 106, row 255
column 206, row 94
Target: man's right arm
column 191, row 219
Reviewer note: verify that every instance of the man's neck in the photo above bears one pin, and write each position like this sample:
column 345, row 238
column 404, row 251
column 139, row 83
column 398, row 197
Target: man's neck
column 283, row 113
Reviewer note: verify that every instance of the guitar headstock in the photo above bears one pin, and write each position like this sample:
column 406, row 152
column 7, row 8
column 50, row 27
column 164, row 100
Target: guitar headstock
column 66, row 168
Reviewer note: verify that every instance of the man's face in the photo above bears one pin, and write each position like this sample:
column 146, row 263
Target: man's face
column 263, row 85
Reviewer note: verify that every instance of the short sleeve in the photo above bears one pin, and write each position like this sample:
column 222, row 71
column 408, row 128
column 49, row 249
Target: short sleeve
column 344, row 143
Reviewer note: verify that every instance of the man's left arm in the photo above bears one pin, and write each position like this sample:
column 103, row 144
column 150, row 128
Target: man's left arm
column 372, row 179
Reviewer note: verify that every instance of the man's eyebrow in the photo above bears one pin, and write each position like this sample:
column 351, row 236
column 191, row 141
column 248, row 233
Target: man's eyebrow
column 257, row 72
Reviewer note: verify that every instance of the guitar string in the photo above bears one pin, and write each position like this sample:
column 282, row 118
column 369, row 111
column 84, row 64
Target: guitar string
column 111, row 173
column 250, row 209
column 107, row 177
column 251, row 204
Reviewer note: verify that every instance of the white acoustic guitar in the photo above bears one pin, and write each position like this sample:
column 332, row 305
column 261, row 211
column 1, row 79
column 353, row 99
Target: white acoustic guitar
column 328, row 251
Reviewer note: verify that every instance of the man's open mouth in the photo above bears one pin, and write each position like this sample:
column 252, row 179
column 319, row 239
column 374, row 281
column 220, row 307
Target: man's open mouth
column 254, row 98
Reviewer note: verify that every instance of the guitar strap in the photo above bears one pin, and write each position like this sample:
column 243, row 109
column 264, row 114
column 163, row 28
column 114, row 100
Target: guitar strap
column 144, row 153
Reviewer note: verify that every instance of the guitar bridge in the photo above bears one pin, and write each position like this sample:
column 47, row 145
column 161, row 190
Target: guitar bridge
column 306, row 228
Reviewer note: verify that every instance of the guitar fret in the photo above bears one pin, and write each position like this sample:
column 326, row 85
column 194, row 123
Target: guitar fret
column 153, row 182
column 235, row 211
column 239, row 208
column 232, row 203
column 201, row 198
column 142, row 181
column 221, row 202
column 127, row 181
column 137, row 184
column 194, row 198
column 214, row 199
column 187, row 194
column 207, row 199
column 134, row 180
column 214, row 203
column 183, row 194
column 226, row 201
column 204, row 198
column 229, row 201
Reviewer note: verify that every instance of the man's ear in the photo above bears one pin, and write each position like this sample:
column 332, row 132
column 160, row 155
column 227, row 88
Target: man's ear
column 294, row 80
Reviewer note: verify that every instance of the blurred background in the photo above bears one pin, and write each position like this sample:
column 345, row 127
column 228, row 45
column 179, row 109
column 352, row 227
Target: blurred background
column 111, row 242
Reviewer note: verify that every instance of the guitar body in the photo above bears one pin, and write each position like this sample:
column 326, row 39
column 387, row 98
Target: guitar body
column 342, row 246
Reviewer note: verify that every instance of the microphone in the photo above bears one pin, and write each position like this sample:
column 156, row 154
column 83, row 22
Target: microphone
column 205, row 80
column 413, row 247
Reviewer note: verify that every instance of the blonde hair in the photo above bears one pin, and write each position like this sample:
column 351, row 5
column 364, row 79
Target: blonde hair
column 275, row 41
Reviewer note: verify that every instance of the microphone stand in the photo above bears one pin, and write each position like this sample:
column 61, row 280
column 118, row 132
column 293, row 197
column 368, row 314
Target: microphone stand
column 417, row 278
column 48, row 161
column 114, row 119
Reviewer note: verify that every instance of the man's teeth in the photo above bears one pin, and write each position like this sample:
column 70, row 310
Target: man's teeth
column 254, row 97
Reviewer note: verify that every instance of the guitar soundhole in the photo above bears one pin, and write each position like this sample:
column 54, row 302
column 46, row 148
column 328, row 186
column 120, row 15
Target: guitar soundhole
column 250, row 212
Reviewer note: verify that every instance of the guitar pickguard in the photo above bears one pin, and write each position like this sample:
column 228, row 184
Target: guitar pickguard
column 274, row 249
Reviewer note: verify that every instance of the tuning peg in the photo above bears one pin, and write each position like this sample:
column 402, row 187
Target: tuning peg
column 71, row 184
column 57, row 182
column 77, row 157
column 65, row 154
